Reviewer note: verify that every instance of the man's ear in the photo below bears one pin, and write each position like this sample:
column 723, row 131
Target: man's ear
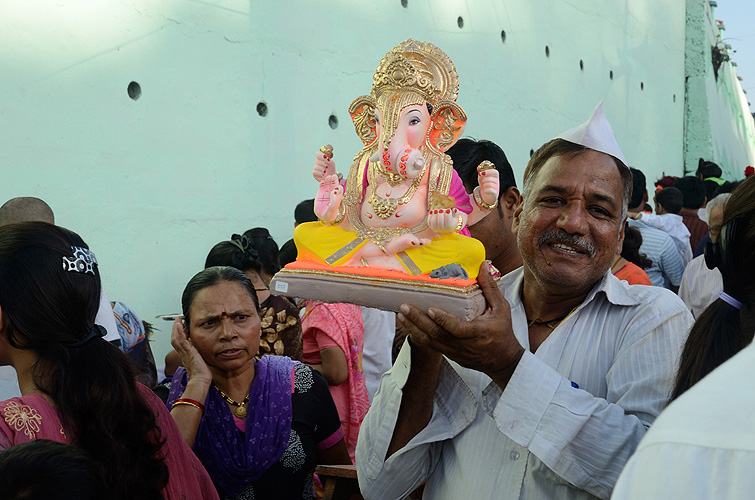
column 620, row 245
column 509, row 200
column 517, row 217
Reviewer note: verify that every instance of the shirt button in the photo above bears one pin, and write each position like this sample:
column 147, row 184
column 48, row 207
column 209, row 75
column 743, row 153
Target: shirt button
column 514, row 455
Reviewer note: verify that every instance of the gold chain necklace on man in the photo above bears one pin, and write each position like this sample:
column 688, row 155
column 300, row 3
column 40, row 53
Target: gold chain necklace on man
column 385, row 207
column 551, row 323
column 240, row 410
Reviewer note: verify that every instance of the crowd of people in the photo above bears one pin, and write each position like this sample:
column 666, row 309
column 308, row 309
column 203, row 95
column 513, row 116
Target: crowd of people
column 617, row 338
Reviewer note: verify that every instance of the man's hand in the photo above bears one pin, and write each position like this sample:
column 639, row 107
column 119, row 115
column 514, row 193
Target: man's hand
column 486, row 344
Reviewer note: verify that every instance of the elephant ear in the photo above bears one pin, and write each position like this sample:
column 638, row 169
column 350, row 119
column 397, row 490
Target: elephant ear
column 449, row 121
column 362, row 111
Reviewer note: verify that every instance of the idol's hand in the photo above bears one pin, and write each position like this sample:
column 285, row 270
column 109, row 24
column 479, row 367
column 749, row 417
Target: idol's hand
column 328, row 199
column 489, row 182
column 324, row 166
column 446, row 220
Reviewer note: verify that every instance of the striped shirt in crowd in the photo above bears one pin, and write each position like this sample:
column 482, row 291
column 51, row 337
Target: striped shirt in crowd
column 667, row 268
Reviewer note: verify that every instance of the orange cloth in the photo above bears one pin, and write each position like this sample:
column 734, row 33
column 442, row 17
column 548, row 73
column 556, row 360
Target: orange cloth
column 633, row 274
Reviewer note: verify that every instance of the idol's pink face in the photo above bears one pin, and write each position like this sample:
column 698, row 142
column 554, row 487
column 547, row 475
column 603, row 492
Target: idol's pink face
column 410, row 130
column 224, row 326
column 570, row 228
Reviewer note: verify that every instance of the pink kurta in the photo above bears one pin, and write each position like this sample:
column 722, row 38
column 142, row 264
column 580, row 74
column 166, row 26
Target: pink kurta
column 340, row 325
column 32, row 417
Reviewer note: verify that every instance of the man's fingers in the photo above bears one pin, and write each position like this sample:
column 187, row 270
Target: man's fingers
column 450, row 324
column 489, row 287
column 420, row 326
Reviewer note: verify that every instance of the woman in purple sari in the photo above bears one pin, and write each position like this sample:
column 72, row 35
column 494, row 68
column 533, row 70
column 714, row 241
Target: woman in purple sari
column 259, row 426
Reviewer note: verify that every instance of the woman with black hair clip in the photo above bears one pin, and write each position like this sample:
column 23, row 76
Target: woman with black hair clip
column 255, row 253
column 703, row 445
column 76, row 387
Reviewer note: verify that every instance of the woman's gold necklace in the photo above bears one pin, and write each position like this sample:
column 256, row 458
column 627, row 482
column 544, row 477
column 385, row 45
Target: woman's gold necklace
column 240, row 410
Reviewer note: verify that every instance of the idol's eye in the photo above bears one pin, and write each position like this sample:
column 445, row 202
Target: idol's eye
column 414, row 121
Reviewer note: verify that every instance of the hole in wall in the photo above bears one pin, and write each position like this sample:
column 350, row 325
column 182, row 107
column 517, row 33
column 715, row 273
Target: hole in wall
column 642, row 86
column 404, row 3
column 134, row 90
column 532, row 153
column 262, row 108
column 333, row 121
column 581, row 65
column 503, row 36
column 674, row 97
column 460, row 22
column 610, row 74
column 547, row 51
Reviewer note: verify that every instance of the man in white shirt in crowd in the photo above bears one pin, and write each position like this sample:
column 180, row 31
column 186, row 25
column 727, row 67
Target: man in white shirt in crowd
column 668, row 202
column 547, row 394
column 700, row 285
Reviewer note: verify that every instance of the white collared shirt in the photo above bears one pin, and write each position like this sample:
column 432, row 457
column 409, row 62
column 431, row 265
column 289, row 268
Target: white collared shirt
column 703, row 445
column 542, row 437
column 700, row 285
column 377, row 354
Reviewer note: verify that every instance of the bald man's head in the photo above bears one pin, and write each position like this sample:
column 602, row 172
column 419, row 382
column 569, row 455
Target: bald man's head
column 25, row 209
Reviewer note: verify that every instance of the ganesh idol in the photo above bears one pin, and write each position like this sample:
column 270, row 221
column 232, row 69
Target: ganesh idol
column 402, row 207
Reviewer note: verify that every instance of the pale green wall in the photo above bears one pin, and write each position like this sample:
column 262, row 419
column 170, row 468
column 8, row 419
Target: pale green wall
column 153, row 184
column 718, row 124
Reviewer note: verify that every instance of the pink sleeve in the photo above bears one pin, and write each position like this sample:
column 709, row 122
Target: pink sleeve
column 459, row 193
column 323, row 339
column 330, row 441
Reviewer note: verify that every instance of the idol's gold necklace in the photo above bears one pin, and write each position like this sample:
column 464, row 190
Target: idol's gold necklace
column 385, row 207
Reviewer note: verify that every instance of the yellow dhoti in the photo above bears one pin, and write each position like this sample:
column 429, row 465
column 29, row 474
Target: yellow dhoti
column 334, row 246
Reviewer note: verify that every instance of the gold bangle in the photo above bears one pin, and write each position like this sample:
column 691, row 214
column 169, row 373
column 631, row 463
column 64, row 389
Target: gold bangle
column 460, row 224
column 341, row 215
column 190, row 403
column 478, row 199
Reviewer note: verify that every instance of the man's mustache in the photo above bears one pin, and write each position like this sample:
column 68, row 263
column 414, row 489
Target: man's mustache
column 562, row 236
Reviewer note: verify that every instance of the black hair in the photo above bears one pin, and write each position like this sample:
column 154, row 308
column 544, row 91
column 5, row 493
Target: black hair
column 259, row 238
column 45, row 310
column 288, row 253
column 693, row 191
column 639, row 187
column 708, row 169
column 468, row 153
column 43, row 469
column 234, row 253
column 722, row 330
column 210, row 277
column 670, row 198
column 630, row 249
column 305, row 212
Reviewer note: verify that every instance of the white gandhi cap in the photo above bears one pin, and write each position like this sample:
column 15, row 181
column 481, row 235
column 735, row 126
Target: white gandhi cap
column 596, row 133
